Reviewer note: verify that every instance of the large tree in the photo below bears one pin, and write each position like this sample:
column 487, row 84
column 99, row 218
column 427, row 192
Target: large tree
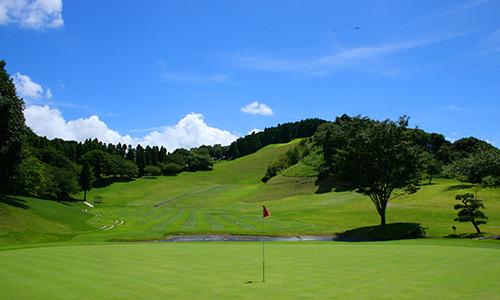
column 375, row 158
column 86, row 179
column 12, row 128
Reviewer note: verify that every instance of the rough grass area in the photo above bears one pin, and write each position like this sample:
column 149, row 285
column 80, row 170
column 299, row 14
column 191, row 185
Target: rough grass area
column 427, row 269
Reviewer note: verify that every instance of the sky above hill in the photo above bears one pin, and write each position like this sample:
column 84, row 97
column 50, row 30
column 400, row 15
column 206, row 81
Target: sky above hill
column 187, row 73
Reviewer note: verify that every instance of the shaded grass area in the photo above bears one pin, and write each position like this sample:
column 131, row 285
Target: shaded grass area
column 423, row 269
column 395, row 231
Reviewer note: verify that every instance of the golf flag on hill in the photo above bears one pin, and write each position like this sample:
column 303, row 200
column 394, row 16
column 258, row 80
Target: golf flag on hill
column 266, row 213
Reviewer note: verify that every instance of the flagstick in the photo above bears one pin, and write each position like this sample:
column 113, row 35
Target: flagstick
column 263, row 254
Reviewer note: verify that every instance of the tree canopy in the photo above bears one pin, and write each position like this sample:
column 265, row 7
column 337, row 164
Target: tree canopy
column 373, row 157
column 12, row 128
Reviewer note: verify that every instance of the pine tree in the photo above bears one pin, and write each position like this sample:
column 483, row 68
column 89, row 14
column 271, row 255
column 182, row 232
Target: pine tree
column 469, row 210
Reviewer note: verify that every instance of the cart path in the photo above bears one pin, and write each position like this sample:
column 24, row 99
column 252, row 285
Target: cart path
column 211, row 189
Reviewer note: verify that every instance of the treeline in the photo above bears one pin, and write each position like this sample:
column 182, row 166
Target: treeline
column 467, row 159
column 53, row 169
column 283, row 133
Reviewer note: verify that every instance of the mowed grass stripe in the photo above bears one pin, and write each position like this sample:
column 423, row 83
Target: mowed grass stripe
column 240, row 222
column 173, row 216
column 180, row 221
column 150, row 213
column 214, row 223
column 229, row 224
column 190, row 223
column 160, row 215
column 202, row 222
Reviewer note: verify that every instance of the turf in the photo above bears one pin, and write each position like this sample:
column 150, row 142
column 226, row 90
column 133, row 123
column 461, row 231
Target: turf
column 228, row 200
column 423, row 269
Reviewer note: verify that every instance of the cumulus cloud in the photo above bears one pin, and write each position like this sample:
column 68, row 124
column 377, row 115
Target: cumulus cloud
column 257, row 108
column 191, row 131
column 33, row 14
column 49, row 122
column 28, row 89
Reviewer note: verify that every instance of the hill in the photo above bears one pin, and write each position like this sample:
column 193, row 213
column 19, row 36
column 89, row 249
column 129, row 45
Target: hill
column 228, row 200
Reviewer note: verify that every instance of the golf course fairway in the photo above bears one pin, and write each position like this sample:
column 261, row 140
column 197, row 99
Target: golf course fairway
column 412, row 269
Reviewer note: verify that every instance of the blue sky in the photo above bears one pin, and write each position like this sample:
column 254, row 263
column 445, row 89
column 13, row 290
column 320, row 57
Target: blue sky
column 186, row 73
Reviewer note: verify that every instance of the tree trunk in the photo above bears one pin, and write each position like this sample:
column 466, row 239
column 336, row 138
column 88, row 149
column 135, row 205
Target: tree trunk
column 383, row 206
column 84, row 195
column 477, row 227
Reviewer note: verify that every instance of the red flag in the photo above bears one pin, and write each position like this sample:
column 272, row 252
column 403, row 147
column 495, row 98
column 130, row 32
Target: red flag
column 266, row 213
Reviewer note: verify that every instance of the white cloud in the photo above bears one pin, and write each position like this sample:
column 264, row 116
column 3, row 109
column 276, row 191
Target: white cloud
column 257, row 108
column 46, row 121
column 189, row 132
column 26, row 88
column 254, row 131
column 33, row 14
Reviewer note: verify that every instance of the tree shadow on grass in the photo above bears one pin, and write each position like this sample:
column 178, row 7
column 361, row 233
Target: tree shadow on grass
column 13, row 201
column 462, row 186
column 104, row 182
column 329, row 184
column 393, row 231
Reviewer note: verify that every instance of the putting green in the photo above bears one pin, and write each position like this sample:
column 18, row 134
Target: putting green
column 425, row 269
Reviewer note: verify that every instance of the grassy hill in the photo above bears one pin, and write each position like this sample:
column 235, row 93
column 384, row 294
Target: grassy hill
column 228, row 200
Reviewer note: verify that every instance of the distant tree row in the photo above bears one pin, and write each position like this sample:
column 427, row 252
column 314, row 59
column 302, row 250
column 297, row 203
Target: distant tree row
column 281, row 134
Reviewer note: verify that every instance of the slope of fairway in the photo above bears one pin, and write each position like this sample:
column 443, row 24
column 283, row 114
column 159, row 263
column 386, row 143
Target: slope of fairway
column 28, row 220
column 429, row 269
column 228, row 200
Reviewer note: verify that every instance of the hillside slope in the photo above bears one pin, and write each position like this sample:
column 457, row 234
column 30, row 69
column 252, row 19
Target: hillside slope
column 27, row 220
column 228, row 200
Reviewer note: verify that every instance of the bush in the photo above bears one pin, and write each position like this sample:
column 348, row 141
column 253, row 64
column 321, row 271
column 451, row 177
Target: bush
column 171, row 168
column 152, row 171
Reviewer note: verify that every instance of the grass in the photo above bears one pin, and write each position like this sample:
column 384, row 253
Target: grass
column 228, row 200
column 52, row 250
column 426, row 269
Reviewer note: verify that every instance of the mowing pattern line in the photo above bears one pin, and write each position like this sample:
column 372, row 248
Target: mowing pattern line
column 219, row 186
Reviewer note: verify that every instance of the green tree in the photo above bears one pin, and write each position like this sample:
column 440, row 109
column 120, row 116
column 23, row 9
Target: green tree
column 373, row 157
column 431, row 165
column 199, row 159
column 86, row 179
column 101, row 162
column 171, row 168
column 12, row 128
column 29, row 179
column 152, row 171
column 61, row 183
column 470, row 210
column 125, row 168
column 483, row 162
column 140, row 159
